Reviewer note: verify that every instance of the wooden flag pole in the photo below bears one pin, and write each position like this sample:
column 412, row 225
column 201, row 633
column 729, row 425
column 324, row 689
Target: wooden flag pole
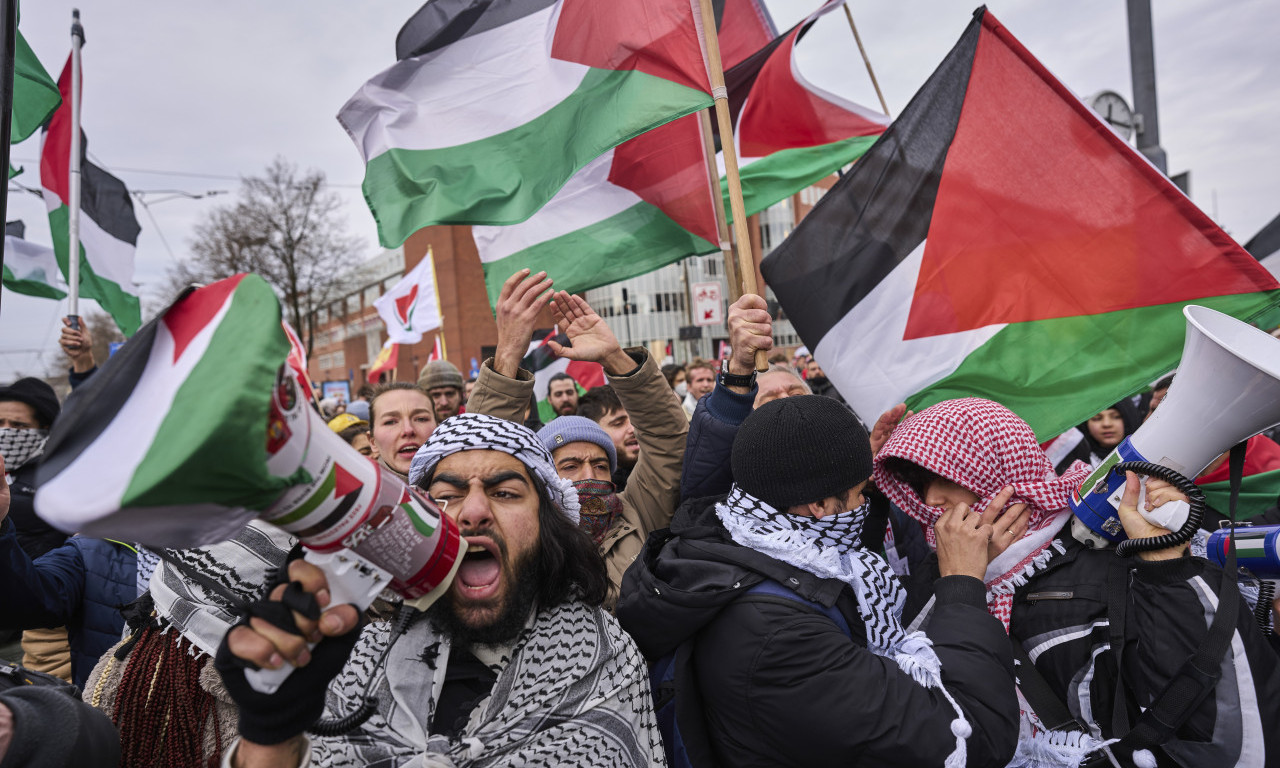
column 722, row 221
column 848, row 14
column 745, row 263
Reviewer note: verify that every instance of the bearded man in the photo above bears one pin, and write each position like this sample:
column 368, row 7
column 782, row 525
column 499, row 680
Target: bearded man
column 517, row 664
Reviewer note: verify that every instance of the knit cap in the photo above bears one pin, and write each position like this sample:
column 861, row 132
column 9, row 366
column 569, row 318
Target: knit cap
column 797, row 450
column 440, row 373
column 35, row 393
column 578, row 429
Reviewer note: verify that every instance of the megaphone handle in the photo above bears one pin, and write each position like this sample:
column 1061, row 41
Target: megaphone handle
column 351, row 579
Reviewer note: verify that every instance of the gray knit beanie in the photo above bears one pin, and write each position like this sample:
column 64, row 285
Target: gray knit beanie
column 578, row 429
column 440, row 373
column 796, row 450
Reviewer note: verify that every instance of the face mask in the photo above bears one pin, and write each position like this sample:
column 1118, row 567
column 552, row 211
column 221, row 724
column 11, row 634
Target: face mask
column 18, row 446
column 682, row 389
column 600, row 505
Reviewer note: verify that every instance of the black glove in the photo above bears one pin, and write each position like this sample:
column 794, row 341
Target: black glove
column 277, row 717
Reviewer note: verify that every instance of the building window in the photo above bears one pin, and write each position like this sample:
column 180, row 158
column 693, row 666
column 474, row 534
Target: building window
column 353, row 304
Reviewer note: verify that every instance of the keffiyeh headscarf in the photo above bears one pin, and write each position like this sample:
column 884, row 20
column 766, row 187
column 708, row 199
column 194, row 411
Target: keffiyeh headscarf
column 830, row 549
column 983, row 446
column 18, row 446
column 480, row 432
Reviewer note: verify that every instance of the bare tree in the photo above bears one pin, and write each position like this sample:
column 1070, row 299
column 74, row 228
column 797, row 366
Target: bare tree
column 284, row 227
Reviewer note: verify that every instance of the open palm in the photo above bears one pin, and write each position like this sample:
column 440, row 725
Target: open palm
column 591, row 339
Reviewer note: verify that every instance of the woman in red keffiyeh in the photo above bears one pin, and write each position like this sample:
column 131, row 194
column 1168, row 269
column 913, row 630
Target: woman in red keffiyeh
column 1053, row 595
column 982, row 447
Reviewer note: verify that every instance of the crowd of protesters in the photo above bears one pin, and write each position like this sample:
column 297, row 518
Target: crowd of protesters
column 698, row 564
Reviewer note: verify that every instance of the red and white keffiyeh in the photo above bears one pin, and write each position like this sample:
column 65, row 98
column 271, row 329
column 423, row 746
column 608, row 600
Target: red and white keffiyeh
column 983, row 446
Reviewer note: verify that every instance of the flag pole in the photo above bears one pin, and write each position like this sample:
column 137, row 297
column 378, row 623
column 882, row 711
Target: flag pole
column 745, row 263
column 73, row 219
column 722, row 221
column 9, row 39
column 435, row 287
column 848, row 14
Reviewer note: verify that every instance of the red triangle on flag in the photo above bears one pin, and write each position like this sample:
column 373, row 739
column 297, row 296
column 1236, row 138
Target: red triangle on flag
column 190, row 315
column 587, row 375
column 404, row 304
column 1042, row 205
column 667, row 168
column 344, row 482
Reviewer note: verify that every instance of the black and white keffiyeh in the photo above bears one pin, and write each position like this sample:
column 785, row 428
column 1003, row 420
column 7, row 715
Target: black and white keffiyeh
column 242, row 567
column 829, row 549
column 481, row 432
column 18, row 446
column 572, row 690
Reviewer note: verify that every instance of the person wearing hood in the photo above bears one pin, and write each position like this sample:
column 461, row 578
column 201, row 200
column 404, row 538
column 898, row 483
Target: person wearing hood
column 27, row 410
column 777, row 680
column 1056, row 598
column 1093, row 440
column 619, row 521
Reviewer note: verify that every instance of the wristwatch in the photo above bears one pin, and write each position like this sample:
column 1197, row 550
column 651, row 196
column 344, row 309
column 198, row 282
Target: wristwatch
column 735, row 379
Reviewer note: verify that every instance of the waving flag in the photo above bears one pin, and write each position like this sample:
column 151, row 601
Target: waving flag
column 386, row 361
column 1000, row 240
column 35, row 95
column 789, row 132
column 410, row 308
column 637, row 207
column 494, row 106
column 176, row 420
column 108, row 227
column 29, row 268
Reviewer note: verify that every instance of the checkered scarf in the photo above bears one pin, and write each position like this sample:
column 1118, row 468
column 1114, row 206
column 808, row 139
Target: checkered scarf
column 983, row 446
column 18, row 446
column 829, row 549
column 480, row 432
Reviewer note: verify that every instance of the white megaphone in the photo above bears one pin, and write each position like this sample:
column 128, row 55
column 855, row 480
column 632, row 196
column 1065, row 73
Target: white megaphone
column 358, row 521
column 1226, row 391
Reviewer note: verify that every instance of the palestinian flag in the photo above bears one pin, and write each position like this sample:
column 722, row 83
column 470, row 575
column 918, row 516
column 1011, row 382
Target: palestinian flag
column 639, row 206
column 35, row 95
column 410, row 308
column 1259, row 483
column 543, row 364
column 167, row 443
column 29, row 268
column 385, row 362
column 108, row 228
column 1001, row 241
column 494, row 106
column 789, row 133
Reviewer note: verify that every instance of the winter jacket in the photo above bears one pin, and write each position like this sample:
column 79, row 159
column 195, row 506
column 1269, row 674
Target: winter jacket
column 82, row 584
column 35, row 536
column 781, row 684
column 707, row 471
column 661, row 428
column 1061, row 618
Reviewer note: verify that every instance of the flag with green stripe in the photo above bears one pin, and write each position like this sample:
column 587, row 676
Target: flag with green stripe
column 494, row 106
column 1001, row 241
column 173, row 430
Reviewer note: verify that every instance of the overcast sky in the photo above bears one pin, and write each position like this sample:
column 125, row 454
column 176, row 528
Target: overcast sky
column 192, row 96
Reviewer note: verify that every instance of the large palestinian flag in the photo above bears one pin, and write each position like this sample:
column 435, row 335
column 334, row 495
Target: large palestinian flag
column 788, row 132
column 495, row 105
column 641, row 205
column 1001, row 241
column 170, row 437
column 108, row 227
column 543, row 364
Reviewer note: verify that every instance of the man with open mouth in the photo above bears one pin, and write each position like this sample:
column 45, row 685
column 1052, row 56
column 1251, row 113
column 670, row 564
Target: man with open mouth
column 518, row 663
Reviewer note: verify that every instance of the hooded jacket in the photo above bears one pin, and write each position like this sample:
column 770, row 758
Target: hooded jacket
column 780, row 684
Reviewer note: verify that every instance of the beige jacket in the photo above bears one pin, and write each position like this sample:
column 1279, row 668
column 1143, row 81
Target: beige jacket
column 653, row 489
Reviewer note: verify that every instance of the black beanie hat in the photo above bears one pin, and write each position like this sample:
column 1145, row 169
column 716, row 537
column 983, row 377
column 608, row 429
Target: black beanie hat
column 36, row 394
column 796, row 450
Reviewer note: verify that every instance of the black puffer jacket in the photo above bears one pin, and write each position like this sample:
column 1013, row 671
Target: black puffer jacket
column 781, row 684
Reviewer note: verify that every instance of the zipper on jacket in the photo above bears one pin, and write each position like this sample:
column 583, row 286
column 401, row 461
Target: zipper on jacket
column 1051, row 595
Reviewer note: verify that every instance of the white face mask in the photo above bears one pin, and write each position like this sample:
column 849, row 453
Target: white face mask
column 682, row 389
column 18, row 446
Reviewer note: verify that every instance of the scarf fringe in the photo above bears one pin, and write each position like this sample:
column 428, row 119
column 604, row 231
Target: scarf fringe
column 1056, row 749
column 1012, row 581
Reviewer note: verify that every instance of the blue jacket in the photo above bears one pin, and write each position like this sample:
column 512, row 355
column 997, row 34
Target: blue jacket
column 83, row 585
column 707, row 469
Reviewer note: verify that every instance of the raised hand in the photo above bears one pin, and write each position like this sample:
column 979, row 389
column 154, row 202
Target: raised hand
column 522, row 296
column 1137, row 527
column 750, row 329
column 885, row 425
column 589, row 336
column 78, row 344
